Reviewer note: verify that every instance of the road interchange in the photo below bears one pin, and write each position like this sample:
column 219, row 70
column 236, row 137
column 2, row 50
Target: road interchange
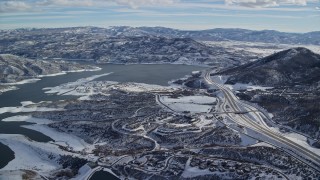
column 284, row 143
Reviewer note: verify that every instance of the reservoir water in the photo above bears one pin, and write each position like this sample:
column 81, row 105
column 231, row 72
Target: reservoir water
column 150, row 74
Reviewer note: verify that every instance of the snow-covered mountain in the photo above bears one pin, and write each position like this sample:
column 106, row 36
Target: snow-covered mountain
column 218, row 34
column 95, row 44
column 223, row 34
column 297, row 66
column 123, row 44
column 15, row 68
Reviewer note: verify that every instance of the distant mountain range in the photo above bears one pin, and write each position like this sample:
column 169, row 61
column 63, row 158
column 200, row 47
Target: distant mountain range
column 222, row 34
column 111, row 46
column 219, row 34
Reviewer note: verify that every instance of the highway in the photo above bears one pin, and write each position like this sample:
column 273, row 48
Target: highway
column 283, row 142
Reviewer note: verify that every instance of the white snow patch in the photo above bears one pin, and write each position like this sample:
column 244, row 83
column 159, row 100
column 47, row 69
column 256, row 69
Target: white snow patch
column 248, row 87
column 7, row 88
column 194, row 108
column 27, row 119
column 25, row 109
column 203, row 122
column 246, row 140
column 22, row 82
column 26, row 103
column 142, row 87
column 51, row 75
column 191, row 99
column 262, row 144
column 71, row 71
column 219, row 79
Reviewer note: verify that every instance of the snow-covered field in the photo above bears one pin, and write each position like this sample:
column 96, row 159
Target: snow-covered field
column 191, row 99
column 259, row 48
column 194, row 104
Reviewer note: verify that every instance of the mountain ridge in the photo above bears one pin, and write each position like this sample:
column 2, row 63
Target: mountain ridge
column 100, row 48
column 14, row 68
column 216, row 34
column 295, row 66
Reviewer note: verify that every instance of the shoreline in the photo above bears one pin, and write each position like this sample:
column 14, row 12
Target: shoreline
column 25, row 81
column 12, row 86
column 5, row 88
column 38, row 78
column 160, row 63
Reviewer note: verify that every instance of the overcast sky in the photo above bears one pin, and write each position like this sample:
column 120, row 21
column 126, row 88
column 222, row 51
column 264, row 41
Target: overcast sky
column 282, row 15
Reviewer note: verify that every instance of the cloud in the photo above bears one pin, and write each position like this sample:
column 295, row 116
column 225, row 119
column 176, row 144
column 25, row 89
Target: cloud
column 8, row 6
column 39, row 5
column 265, row 3
column 18, row 5
column 139, row 3
column 64, row 2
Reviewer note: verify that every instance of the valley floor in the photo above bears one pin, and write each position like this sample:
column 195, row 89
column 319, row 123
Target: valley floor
column 142, row 131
